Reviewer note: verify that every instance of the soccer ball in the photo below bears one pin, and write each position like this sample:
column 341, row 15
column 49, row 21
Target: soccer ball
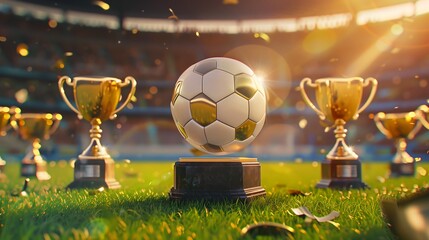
column 219, row 105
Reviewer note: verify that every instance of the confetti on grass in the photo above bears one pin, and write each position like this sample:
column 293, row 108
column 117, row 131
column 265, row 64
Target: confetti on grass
column 303, row 211
column 294, row 192
column 267, row 229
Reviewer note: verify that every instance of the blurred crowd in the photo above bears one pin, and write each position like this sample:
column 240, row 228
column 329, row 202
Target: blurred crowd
column 34, row 53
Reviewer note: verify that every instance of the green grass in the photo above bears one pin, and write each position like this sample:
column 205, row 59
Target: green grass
column 141, row 208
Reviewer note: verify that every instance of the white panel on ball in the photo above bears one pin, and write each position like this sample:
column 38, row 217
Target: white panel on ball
column 218, row 84
column 233, row 110
column 233, row 66
column 219, row 134
column 195, row 132
column 192, row 85
column 236, row 145
column 257, row 107
column 181, row 106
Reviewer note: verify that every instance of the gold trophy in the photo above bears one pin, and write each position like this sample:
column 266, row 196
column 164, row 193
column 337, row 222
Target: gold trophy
column 339, row 100
column 6, row 114
column 96, row 99
column 34, row 127
column 399, row 126
column 423, row 115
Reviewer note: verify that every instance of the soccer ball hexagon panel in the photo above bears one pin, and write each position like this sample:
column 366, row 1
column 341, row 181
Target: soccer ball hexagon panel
column 219, row 105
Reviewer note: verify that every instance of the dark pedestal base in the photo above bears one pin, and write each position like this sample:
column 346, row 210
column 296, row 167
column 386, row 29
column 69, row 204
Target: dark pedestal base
column 94, row 174
column 217, row 179
column 32, row 168
column 402, row 169
column 341, row 174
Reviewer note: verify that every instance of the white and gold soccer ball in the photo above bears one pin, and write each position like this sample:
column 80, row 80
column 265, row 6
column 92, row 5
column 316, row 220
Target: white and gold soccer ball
column 219, row 105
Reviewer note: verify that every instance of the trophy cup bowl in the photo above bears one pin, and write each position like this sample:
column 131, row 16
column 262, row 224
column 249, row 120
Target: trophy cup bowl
column 399, row 126
column 96, row 101
column 338, row 100
column 34, row 127
column 6, row 114
column 423, row 115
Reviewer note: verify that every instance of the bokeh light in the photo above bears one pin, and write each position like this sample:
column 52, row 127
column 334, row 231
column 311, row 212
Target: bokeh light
column 268, row 65
column 319, row 41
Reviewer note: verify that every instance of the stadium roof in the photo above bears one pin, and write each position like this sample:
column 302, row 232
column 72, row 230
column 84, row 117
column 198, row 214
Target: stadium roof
column 217, row 9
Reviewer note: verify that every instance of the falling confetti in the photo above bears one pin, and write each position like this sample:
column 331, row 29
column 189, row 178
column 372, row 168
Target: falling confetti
column 22, row 49
column 262, row 36
column 173, row 15
column 103, row 5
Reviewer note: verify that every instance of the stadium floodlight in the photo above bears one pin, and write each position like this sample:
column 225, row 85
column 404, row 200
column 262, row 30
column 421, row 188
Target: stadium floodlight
column 96, row 100
column 339, row 100
column 219, row 107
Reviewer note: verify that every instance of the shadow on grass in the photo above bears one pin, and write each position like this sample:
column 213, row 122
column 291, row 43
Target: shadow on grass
column 71, row 213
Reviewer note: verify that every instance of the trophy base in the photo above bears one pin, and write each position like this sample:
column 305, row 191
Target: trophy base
column 341, row 174
column 31, row 168
column 217, row 179
column 94, row 174
column 402, row 169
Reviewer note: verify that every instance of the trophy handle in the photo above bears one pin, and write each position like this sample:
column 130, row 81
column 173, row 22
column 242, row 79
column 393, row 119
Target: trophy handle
column 420, row 111
column 56, row 124
column 374, row 83
column 127, row 81
column 416, row 129
column 69, row 82
column 380, row 125
column 307, row 81
column 12, row 111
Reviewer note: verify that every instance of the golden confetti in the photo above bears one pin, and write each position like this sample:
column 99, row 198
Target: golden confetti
column 230, row 2
column 381, row 179
column 22, row 49
column 103, row 5
column 262, row 36
column 421, row 171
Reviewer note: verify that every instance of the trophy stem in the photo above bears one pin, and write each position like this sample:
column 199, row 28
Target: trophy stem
column 95, row 150
column 401, row 155
column 94, row 168
column 403, row 164
column 33, row 164
column 342, row 168
column 2, row 167
column 341, row 151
